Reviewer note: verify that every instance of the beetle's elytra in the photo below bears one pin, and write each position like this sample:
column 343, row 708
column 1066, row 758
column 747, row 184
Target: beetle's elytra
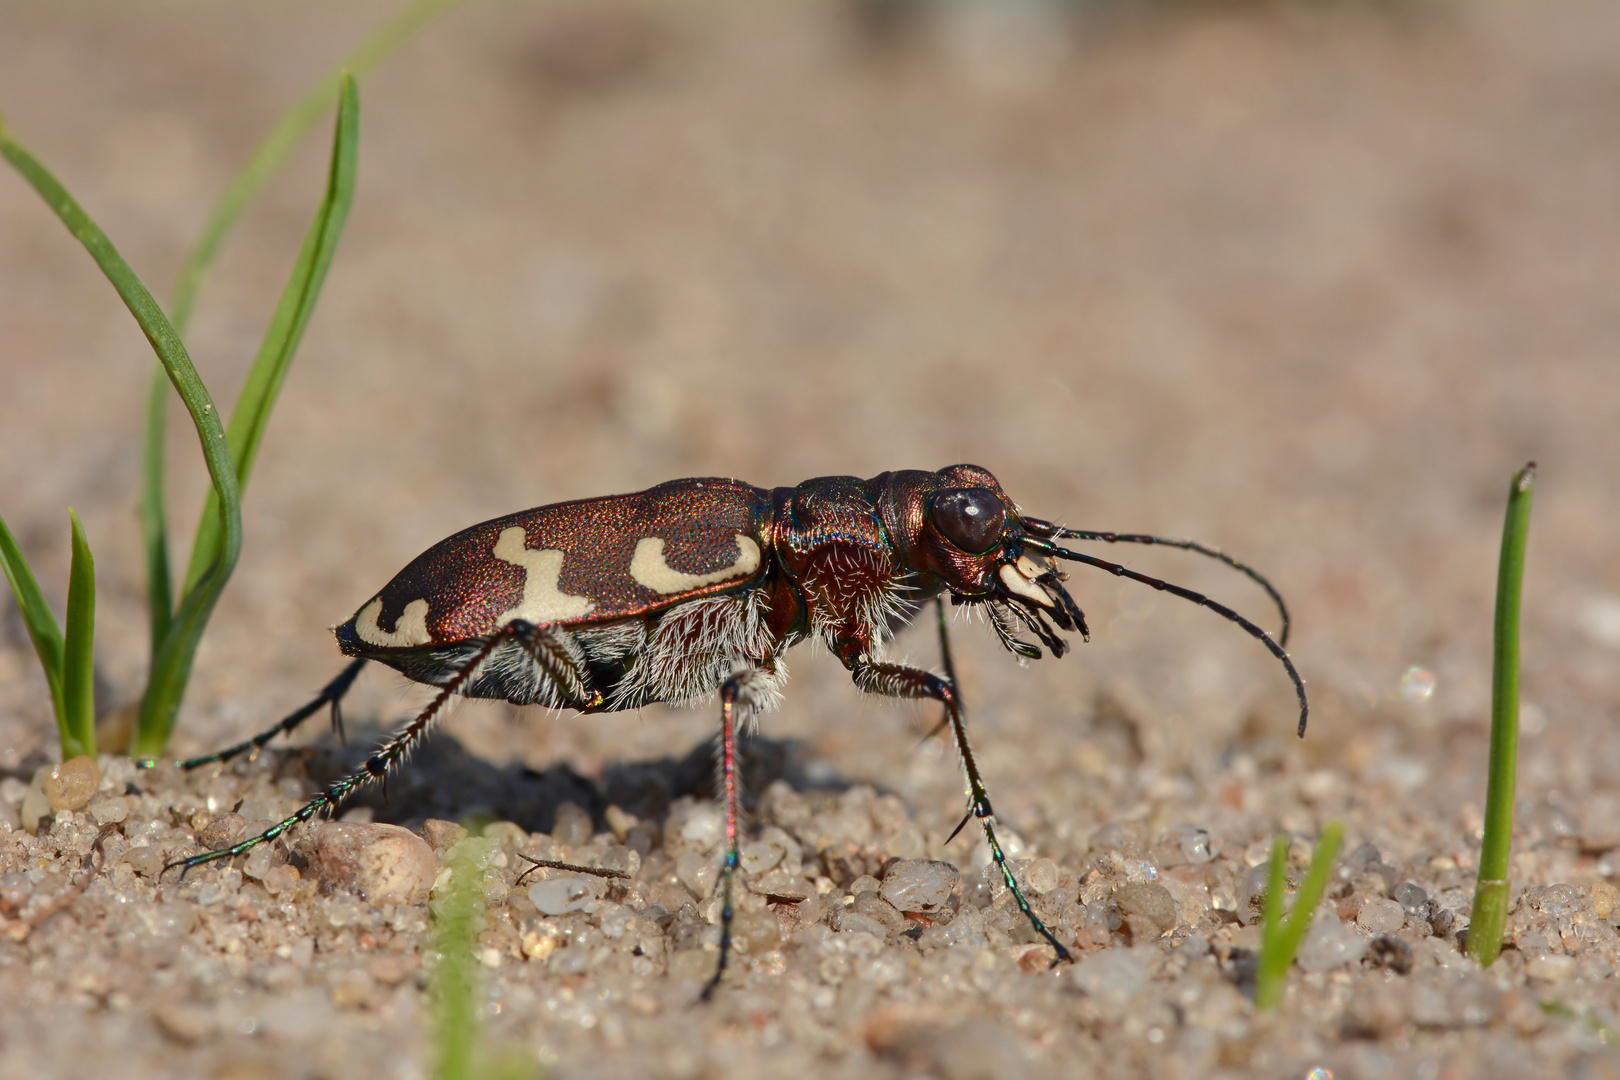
column 697, row 587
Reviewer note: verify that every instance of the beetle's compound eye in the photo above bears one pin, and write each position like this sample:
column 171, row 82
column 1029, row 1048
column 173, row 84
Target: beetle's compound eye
column 970, row 518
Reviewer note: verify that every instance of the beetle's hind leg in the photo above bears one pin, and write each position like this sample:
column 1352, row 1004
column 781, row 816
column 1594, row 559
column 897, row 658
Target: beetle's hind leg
column 332, row 694
column 399, row 746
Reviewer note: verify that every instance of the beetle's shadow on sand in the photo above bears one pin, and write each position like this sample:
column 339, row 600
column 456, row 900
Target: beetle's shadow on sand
column 444, row 780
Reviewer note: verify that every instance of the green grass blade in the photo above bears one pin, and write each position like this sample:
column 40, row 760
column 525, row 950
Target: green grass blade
column 1271, row 917
column 1489, row 917
column 272, row 153
column 1281, row 938
column 42, row 628
column 251, row 415
column 79, row 651
column 455, row 1019
column 171, row 666
column 267, row 159
column 154, row 528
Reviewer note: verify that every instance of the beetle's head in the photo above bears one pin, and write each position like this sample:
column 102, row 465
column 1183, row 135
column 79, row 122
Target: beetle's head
column 958, row 528
column 958, row 532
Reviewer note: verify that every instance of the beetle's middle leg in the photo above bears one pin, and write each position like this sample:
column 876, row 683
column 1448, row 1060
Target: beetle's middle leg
column 897, row 680
column 738, row 700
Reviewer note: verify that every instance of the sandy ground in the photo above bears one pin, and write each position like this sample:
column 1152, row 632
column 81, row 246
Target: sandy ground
column 1305, row 282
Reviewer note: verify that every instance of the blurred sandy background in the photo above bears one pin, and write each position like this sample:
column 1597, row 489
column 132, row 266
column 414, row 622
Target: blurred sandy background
column 1307, row 282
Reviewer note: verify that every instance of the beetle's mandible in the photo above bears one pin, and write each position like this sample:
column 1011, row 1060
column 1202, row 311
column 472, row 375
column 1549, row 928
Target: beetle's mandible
column 697, row 587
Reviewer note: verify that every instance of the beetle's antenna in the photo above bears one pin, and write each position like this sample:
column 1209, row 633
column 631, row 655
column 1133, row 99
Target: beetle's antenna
column 1048, row 548
column 1047, row 530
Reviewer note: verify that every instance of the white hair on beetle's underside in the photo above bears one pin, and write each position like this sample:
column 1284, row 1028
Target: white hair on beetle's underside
column 697, row 645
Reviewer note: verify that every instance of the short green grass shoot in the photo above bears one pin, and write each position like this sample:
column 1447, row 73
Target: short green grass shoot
column 1491, row 891
column 68, row 659
column 458, row 1050
column 1280, row 936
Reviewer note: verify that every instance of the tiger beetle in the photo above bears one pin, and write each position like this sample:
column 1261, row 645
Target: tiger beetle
column 701, row 585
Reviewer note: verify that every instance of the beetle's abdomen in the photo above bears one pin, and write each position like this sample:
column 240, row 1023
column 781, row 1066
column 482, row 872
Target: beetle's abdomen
column 571, row 564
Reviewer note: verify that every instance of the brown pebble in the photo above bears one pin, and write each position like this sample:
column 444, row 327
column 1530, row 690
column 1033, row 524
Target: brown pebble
column 442, row 835
column 184, row 1022
column 1604, row 899
column 384, row 863
column 1146, row 910
column 72, row 784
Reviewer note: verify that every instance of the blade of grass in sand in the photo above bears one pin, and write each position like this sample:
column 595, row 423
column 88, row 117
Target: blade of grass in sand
column 1489, row 917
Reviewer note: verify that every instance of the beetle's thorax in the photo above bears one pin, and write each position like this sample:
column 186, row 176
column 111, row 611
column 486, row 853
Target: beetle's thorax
column 837, row 560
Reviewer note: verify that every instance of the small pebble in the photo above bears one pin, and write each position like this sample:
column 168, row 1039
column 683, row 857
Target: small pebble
column 847, row 920
column 184, row 1022
column 147, row 861
column 572, row 825
column 1111, row 975
column 879, row 910
column 109, row 811
column 260, row 809
column 697, row 872
column 1554, row 968
column 15, row 890
column 222, row 832
column 384, row 863
column 562, row 895
column 1043, row 876
column 72, row 784
column 1329, row 945
column 442, row 835
column 1381, row 916
column 507, row 834
column 278, row 879
column 1412, row 898
column 36, row 804
column 1604, row 898
column 620, row 821
column 1146, row 910
column 259, row 862
column 1187, row 844
column 693, row 827
column 921, row 886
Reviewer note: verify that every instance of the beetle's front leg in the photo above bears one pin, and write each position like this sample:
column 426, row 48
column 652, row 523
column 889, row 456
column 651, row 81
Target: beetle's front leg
column 897, row 680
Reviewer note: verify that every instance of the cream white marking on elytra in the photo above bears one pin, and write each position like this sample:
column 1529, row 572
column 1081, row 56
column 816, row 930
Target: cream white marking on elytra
column 542, row 601
column 410, row 628
column 1018, row 583
column 648, row 568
